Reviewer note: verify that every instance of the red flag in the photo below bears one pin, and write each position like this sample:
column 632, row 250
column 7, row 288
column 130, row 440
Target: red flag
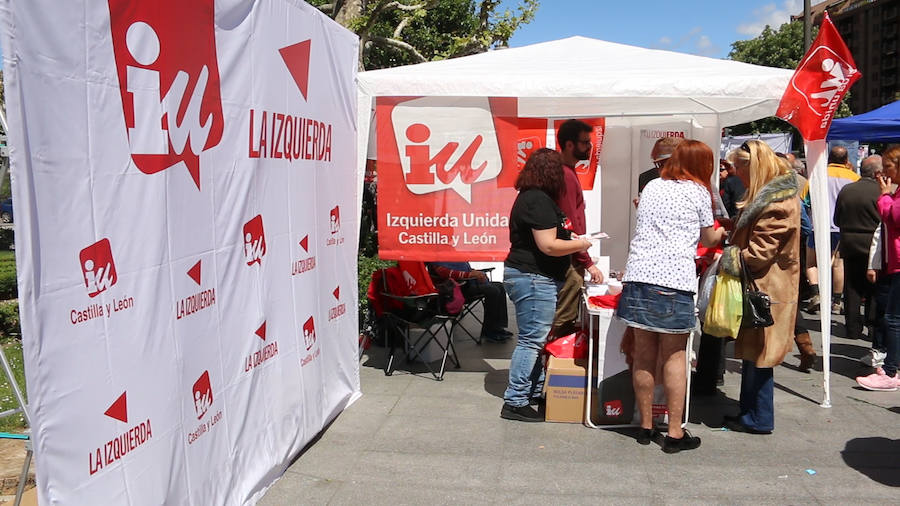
column 822, row 79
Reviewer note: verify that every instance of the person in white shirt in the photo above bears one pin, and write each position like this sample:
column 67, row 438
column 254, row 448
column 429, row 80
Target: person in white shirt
column 674, row 213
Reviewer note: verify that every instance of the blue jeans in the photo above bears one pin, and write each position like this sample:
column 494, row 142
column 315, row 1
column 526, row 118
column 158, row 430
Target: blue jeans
column 878, row 327
column 757, row 397
column 892, row 325
column 535, row 299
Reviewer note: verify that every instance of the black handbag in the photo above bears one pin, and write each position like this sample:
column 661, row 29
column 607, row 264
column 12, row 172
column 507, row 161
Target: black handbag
column 757, row 304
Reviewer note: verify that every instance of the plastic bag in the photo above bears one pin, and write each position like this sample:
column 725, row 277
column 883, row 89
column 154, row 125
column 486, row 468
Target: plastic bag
column 570, row 346
column 707, row 282
column 723, row 315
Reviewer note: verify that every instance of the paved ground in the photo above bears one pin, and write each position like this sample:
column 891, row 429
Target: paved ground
column 412, row 440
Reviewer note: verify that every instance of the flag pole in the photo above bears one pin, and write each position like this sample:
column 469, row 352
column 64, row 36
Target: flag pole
column 810, row 101
column 816, row 160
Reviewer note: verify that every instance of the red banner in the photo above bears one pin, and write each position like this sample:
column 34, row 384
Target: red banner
column 440, row 164
column 533, row 135
column 822, row 79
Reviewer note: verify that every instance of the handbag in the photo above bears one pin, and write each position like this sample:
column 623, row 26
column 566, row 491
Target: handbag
column 757, row 304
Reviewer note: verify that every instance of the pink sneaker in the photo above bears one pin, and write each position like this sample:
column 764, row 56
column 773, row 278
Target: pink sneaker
column 879, row 382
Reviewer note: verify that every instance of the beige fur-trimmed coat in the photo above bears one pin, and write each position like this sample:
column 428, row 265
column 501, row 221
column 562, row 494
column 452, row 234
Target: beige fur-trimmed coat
column 767, row 234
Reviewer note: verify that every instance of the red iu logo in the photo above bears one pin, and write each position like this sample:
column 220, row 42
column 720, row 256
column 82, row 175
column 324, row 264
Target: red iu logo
column 335, row 219
column 524, row 148
column 98, row 267
column 168, row 73
column 613, row 408
column 203, row 396
column 435, row 155
column 254, row 241
column 421, row 161
column 309, row 333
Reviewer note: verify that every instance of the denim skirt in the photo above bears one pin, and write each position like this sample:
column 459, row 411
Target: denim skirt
column 657, row 308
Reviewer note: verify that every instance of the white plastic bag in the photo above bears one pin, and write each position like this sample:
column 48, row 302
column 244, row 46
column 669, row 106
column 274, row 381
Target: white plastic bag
column 704, row 292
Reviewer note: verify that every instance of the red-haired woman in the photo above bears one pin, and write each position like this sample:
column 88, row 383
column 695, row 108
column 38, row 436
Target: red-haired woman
column 660, row 280
column 534, row 270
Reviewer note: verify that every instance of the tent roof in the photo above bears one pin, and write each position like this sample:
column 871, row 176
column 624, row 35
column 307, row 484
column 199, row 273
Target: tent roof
column 589, row 76
column 880, row 125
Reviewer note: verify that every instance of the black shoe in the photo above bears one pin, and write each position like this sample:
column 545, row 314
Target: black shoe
column 495, row 336
column 538, row 402
column 733, row 423
column 647, row 436
column 521, row 413
column 699, row 390
column 687, row 442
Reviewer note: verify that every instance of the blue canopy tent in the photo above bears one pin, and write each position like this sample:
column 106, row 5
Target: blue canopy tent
column 880, row 125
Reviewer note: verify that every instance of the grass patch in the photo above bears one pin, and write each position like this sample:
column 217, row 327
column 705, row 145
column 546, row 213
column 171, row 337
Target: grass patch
column 13, row 349
column 8, row 288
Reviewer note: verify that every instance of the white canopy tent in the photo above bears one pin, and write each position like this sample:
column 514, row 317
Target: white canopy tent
column 639, row 92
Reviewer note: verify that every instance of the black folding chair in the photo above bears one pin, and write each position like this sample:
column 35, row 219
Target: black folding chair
column 471, row 304
column 404, row 315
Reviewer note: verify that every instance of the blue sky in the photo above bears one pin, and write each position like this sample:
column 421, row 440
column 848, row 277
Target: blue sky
column 701, row 27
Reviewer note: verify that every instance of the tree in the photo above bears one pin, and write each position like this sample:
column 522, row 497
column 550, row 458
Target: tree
column 394, row 33
column 782, row 48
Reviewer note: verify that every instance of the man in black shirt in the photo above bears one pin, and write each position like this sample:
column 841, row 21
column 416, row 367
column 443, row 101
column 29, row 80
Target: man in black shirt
column 856, row 214
column 730, row 188
column 661, row 152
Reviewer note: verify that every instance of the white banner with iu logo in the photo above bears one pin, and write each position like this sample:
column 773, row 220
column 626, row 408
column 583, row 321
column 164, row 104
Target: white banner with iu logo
column 187, row 275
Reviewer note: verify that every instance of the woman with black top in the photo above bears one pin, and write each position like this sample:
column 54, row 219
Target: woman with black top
column 533, row 272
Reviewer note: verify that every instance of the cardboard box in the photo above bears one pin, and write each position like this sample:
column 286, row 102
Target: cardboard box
column 564, row 387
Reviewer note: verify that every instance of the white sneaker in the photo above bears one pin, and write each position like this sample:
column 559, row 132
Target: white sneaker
column 874, row 358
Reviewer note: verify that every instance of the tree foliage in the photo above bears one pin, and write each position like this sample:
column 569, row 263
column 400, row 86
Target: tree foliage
column 394, row 33
column 782, row 48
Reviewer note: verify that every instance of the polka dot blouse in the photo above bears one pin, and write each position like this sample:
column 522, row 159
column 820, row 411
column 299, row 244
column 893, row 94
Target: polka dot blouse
column 669, row 218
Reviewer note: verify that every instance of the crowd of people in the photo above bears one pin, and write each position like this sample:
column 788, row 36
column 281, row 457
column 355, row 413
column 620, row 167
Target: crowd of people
column 759, row 219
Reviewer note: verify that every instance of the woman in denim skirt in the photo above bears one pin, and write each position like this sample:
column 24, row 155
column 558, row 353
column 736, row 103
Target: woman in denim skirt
column 534, row 270
column 675, row 211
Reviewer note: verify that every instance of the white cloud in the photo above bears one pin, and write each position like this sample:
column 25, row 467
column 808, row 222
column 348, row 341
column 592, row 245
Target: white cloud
column 703, row 42
column 665, row 41
column 772, row 15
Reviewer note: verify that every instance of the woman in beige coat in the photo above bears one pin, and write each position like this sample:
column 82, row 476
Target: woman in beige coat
column 767, row 239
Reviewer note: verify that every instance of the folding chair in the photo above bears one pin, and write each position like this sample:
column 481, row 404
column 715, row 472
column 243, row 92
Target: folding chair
column 407, row 302
column 472, row 303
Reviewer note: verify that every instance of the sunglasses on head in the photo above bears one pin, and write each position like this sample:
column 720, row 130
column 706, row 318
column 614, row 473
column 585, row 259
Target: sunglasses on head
column 745, row 147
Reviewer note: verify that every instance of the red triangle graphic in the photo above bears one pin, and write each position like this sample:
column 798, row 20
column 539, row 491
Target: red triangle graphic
column 304, row 243
column 296, row 57
column 118, row 409
column 194, row 272
column 337, row 293
column 261, row 331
